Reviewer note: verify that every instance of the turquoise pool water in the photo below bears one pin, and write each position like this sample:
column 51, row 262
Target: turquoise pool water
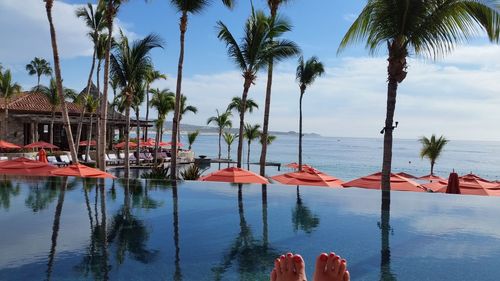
column 114, row 230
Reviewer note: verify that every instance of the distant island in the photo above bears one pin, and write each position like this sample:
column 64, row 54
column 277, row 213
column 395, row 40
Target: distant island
column 214, row 130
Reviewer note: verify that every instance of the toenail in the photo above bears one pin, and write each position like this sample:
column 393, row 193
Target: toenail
column 332, row 254
column 323, row 257
column 343, row 261
column 289, row 255
column 297, row 259
column 282, row 257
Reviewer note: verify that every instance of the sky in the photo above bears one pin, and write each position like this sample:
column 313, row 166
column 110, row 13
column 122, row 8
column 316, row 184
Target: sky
column 457, row 96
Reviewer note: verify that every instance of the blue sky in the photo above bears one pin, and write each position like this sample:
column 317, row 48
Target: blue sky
column 457, row 96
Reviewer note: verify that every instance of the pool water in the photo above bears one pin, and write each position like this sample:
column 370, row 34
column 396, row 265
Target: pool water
column 74, row 229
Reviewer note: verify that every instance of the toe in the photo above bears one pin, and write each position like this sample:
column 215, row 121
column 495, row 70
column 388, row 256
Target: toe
column 321, row 262
column 336, row 266
column 289, row 262
column 274, row 275
column 278, row 265
column 347, row 276
column 298, row 263
column 330, row 264
column 342, row 268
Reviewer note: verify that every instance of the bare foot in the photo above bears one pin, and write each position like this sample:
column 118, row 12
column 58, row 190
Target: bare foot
column 331, row 268
column 289, row 268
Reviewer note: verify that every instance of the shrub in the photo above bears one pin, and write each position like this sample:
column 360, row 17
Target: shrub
column 191, row 173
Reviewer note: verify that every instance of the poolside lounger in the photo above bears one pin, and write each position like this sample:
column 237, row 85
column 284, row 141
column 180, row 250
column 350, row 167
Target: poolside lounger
column 65, row 159
column 114, row 159
column 53, row 160
column 3, row 158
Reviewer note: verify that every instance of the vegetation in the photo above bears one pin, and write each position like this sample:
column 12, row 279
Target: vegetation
column 229, row 139
column 152, row 75
column 252, row 54
column 8, row 88
column 163, row 101
column 424, row 28
column 251, row 133
column 237, row 105
column 192, row 137
column 157, row 173
column 432, row 149
column 191, row 173
column 185, row 7
column 39, row 67
column 222, row 121
column 184, row 109
column 307, row 72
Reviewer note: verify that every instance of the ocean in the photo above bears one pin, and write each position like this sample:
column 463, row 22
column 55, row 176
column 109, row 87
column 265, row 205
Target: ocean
column 350, row 158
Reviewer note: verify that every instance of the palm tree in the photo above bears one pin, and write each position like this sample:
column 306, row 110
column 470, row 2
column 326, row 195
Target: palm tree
column 432, row 148
column 229, row 139
column 270, row 139
column 7, row 89
column 129, row 65
column 424, row 28
column 54, row 100
column 280, row 29
column 307, row 72
column 137, row 100
column 185, row 7
column 91, row 104
column 163, row 102
column 236, row 104
column 192, row 137
column 39, row 67
column 251, row 133
column 95, row 22
column 184, row 109
column 222, row 121
column 251, row 55
column 57, row 68
column 151, row 76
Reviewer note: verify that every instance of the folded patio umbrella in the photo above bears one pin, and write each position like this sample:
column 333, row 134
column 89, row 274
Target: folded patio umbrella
column 453, row 186
column 42, row 156
column 82, row 171
column 8, row 145
column 26, row 167
column 41, row 144
column 235, row 175
column 88, row 143
column 310, row 177
column 374, row 181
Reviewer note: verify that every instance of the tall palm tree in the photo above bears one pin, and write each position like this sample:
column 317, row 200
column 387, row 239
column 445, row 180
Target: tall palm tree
column 251, row 133
column 192, row 138
column 184, row 109
column 229, row 139
column 251, row 55
column 270, row 139
column 279, row 31
column 222, row 121
column 138, row 99
column 95, row 21
column 129, row 65
column 307, row 72
column 39, row 67
column 432, row 148
column 236, row 104
column 57, row 68
column 8, row 88
column 151, row 76
column 185, row 7
column 163, row 102
column 429, row 28
column 92, row 104
column 54, row 100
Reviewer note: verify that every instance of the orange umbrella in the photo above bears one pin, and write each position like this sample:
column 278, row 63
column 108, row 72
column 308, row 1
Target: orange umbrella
column 8, row 145
column 41, row 144
column 235, row 175
column 88, row 143
column 431, row 178
column 472, row 176
column 406, row 175
column 435, row 186
column 146, row 144
column 82, row 171
column 374, row 181
column 26, row 167
column 122, row 145
column 308, row 176
column 170, row 144
column 295, row 165
column 473, row 185
column 42, row 156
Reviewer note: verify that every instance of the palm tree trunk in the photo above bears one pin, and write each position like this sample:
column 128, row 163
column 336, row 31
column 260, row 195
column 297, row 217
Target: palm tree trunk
column 265, row 125
column 6, row 121
column 89, row 137
column 104, row 100
column 52, row 125
column 220, row 135
column 82, row 114
column 300, row 129
column 248, row 154
column 432, row 167
column 138, row 132
column 127, row 141
column 175, row 121
column 157, row 144
column 57, row 68
column 99, row 117
column 244, row 96
column 228, row 152
column 104, row 234
column 38, row 81
column 147, row 114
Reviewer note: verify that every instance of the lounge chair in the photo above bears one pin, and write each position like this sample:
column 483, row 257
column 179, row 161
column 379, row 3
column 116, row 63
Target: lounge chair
column 112, row 157
column 87, row 160
column 53, row 160
column 3, row 158
column 145, row 157
column 65, row 159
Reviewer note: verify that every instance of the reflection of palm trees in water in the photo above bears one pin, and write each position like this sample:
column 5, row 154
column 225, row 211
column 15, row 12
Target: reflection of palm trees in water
column 41, row 196
column 7, row 190
column 385, row 232
column 177, row 261
column 255, row 258
column 302, row 217
column 55, row 227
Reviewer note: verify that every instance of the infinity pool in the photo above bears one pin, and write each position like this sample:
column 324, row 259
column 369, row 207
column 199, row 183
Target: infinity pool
column 138, row 230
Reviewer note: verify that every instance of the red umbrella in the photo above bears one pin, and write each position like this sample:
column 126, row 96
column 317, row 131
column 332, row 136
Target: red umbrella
column 406, row 175
column 42, row 156
column 88, row 143
column 435, row 186
column 26, row 167
column 235, row 175
column 170, row 144
column 146, row 144
column 122, row 145
column 453, row 184
column 8, row 145
column 374, row 181
column 472, row 176
column 431, row 178
column 308, row 176
column 82, row 171
column 41, row 144
column 469, row 185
